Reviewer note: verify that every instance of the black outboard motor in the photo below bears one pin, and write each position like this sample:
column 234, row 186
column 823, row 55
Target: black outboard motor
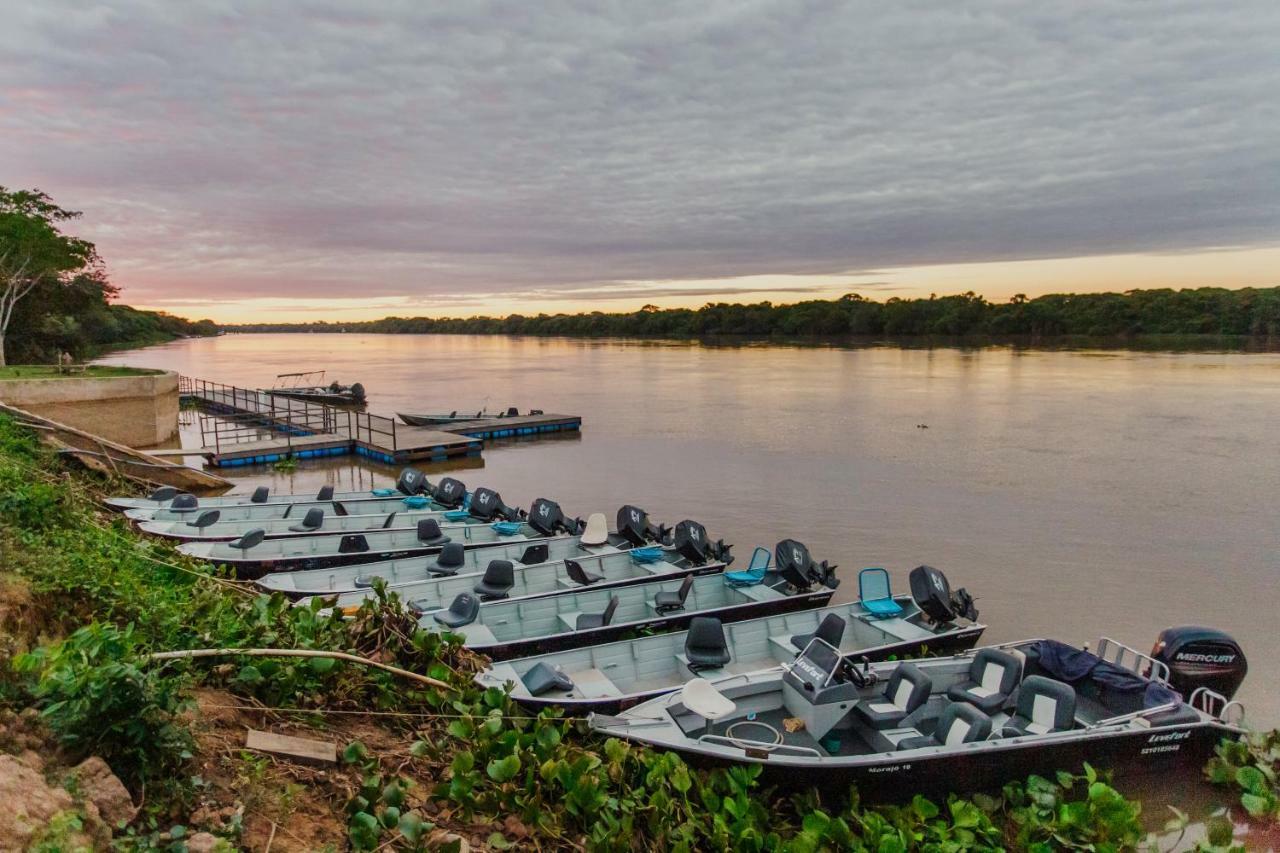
column 932, row 592
column 411, row 482
column 546, row 517
column 690, row 540
column 487, row 505
column 357, row 391
column 1201, row 657
column 634, row 526
column 448, row 493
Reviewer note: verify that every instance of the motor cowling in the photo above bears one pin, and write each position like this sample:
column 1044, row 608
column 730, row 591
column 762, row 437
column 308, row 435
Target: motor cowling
column 932, row 593
column 487, row 505
column 1201, row 657
column 546, row 517
column 411, row 481
column 357, row 391
column 449, row 493
column 690, row 541
column 633, row 525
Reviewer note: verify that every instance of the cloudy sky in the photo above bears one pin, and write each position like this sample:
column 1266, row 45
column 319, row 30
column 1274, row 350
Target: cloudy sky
column 317, row 159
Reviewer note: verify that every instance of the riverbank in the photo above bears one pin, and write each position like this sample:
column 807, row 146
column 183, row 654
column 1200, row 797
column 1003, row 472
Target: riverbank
column 86, row 601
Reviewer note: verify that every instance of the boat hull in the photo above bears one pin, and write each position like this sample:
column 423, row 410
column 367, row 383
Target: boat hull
column 657, row 624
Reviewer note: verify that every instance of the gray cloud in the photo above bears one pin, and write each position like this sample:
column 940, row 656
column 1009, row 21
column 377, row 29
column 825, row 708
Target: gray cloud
column 435, row 150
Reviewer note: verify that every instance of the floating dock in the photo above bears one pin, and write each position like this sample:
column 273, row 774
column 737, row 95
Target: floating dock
column 513, row 426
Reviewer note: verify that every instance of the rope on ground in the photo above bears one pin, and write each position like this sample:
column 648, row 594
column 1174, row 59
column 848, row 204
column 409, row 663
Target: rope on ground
column 300, row 653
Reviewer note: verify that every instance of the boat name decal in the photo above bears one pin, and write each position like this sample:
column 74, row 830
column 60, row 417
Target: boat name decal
column 1161, row 738
column 893, row 768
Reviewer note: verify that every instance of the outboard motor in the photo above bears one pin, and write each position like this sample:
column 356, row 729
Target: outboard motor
column 357, row 391
column 690, row 541
column 634, row 526
column 1201, row 657
column 793, row 563
column 448, row 492
column 411, row 482
column 487, row 505
column 932, row 593
column 546, row 517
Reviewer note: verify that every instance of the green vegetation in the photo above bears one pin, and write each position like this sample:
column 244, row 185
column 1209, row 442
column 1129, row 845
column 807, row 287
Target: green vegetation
column 463, row 760
column 50, row 371
column 1204, row 311
column 54, row 292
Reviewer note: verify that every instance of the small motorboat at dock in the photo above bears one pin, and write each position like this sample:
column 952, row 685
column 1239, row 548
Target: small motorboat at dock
column 410, row 482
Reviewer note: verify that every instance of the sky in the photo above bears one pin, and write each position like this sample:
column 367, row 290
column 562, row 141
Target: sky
column 322, row 160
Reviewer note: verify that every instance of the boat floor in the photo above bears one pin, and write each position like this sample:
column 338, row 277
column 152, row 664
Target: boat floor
column 846, row 742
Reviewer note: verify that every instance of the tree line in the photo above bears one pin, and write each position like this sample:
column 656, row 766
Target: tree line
column 55, row 297
column 1252, row 312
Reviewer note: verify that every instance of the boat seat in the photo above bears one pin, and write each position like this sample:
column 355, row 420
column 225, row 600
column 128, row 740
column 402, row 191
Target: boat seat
column 184, row 502
column 464, row 610
column 204, row 519
column 451, row 560
column 875, row 594
column 313, row 520
column 260, row 495
column 992, row 677
column 535, row 554
column 831, row 632
column 167, row 493
column 543, row 678
column 586, row 621
column 325, row 493
column 499, row 578
column 755, row 571
column 958, row 723
column 1043, row 706
column 249, row 539
column 580, row 575
column 704, row 645
column 597, row 530
column 900, row 628
column 670, row 602
column 429, row 532
column 907, row 690
column 702, row 698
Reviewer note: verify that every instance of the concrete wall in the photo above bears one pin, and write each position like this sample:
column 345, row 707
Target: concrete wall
column 139, row 411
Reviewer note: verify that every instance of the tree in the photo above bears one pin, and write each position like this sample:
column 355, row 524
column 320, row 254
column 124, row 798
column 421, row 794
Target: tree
column 34, row 250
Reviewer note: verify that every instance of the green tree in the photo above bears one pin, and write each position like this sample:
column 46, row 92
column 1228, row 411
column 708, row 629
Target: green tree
column 34, row 251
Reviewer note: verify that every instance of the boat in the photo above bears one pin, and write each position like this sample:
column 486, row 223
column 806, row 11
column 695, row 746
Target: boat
column 602, row 567
column 634, row 531
column 969, row 722
column 208, row 525
column 315, row 390
column 409, row 482
column 427, row 420
column 607, row 678
column 507, row 629
column 253, row 553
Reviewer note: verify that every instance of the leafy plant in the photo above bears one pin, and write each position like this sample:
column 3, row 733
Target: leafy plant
column 1251, row 765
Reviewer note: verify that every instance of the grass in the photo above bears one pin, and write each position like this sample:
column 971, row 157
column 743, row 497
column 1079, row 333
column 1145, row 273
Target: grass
column 52, row 371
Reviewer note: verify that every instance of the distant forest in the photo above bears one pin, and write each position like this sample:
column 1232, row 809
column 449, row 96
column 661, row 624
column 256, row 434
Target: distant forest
column 1251, row 312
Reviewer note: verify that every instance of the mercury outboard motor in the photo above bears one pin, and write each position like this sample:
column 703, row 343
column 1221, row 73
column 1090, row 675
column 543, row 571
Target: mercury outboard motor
column 546, row 517
column 799, row 569
column 634, row 526
column 487, row 505
column 411, row 482
column 932, row 593
column 1201, row 657
column 690, row 541
column 448, row 492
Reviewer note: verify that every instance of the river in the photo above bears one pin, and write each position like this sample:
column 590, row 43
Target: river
column 1075, row 493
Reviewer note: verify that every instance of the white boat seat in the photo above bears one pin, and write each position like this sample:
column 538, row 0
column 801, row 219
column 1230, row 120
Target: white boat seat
column 702, row 698
column 597, row 530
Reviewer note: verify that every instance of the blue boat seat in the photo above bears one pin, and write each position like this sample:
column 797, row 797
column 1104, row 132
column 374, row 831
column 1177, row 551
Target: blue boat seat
column 755, row 571
column 875, row 595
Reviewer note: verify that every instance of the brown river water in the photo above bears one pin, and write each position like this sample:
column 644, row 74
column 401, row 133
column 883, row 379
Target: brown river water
column 1076, row 493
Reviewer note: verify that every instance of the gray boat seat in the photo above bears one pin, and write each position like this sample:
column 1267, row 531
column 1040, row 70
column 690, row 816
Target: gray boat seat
column 1044, row 706
column 831, row 632
column 313, row 520
column 204, row 519
column 907, row 690
column 535, row 554
column 669, row 602
column 249, row 539
column 992, row 677
column 958, row 723
column 168, row 493
column 184, row 502
column 580, row 575
column 260, row 495
column 543, row 678
column 499, row 578
column 704, row 645
column 325, row 493
column 452, row 558
column 429, row 532
column 597, row 620
column 463, row 611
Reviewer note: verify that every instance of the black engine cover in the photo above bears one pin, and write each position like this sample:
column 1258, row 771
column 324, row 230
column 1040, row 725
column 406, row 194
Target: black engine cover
column 1201, row 657
column 633, row 525
column 411, row 481
column 691, row 542
column 449, row 493
column 546, row 517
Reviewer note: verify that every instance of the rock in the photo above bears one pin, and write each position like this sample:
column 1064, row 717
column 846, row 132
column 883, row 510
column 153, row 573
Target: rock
column 32, row 759
column 441, row 837
column 101, row 787
column 203, row 842
column 513, row 827
column 27, row 803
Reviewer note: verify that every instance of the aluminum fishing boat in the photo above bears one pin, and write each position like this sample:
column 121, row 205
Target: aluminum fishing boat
column 410, row 482
column 494, row 577
column 506, row 629
column 253, row 554
column 610, row 677
column 634, row 531
column 428, row 420
column 969, row 722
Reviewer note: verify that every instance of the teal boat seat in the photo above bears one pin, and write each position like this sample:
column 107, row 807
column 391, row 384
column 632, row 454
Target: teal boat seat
column 415, row 502
column 506, row 528
column 383, row 493
column 457, row 515
column 875, row 595
column 646, row 555
column 755, row 571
